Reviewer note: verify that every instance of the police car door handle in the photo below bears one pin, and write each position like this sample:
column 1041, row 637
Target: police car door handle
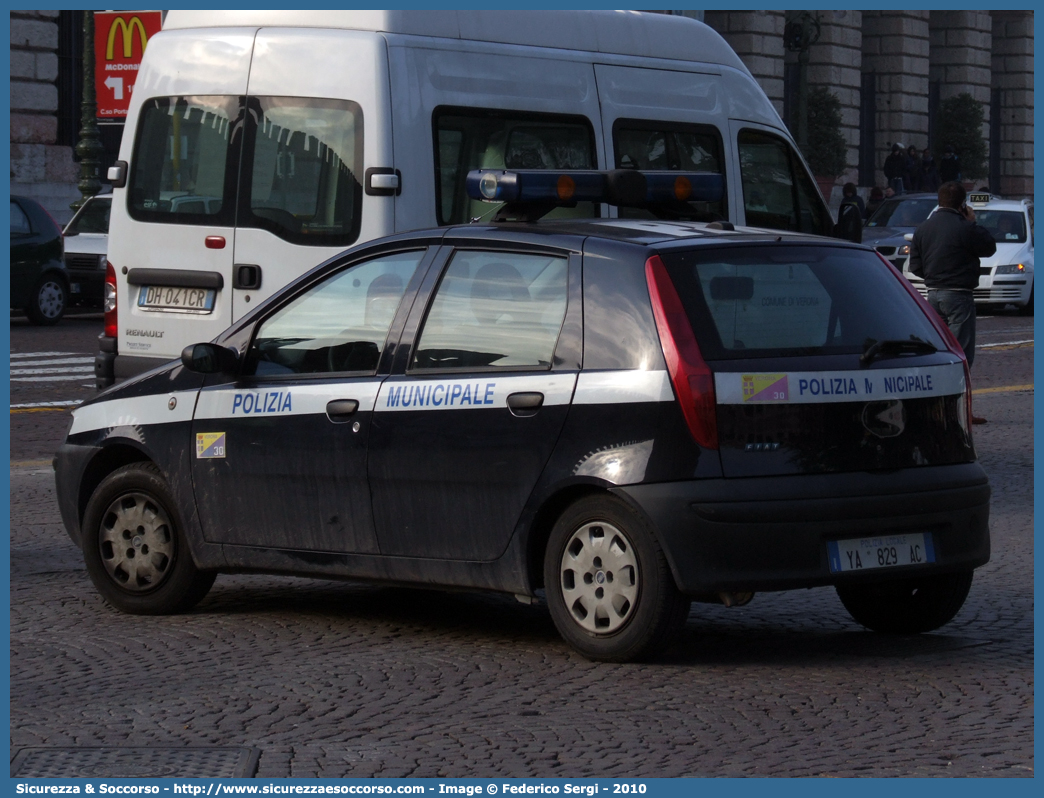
column 525, row 403
column 340, row 410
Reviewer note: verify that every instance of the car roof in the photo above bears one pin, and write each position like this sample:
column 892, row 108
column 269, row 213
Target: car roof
column 642, row 232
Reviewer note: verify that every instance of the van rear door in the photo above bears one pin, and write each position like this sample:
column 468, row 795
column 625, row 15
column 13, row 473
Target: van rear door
column 318, row 104
column 171, row 228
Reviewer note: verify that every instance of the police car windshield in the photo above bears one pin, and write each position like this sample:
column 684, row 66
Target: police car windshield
column 902, row 213
column 773, row 301
column 1007, row 227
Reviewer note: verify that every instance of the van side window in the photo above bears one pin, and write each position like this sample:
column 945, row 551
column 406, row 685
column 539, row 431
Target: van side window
column 304, row 165
column 183, row 169
column 339, row 325
column 495, row 309
column 777, row 191
column 676, row 147
column 467, row 138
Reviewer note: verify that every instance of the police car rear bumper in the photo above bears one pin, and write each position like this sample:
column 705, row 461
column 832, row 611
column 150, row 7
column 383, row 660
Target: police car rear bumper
column 771, row 533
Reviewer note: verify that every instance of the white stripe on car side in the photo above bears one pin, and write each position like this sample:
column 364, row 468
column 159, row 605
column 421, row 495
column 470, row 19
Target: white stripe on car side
column 134, row 411
column 613, row 387
column 484, row 390
column 283, row 399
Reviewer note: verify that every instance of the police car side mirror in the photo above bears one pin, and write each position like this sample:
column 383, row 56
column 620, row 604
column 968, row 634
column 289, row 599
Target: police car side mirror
column 209, row 359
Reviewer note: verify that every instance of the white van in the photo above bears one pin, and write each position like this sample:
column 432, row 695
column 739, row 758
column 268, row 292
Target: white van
column 260, row 143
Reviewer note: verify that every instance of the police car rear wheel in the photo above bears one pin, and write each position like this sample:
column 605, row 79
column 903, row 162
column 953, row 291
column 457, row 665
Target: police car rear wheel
column 609, row 588
column 907, row 606
column 133, row 546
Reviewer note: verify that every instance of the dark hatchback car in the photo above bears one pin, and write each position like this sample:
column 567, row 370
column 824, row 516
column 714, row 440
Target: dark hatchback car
column 39, row 283
column 624, row 415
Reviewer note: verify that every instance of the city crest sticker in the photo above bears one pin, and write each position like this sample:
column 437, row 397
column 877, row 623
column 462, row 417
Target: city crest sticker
column 210, row 445
column 765, row 388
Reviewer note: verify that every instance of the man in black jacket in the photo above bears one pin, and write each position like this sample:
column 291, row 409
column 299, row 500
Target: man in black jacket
column 945, row 252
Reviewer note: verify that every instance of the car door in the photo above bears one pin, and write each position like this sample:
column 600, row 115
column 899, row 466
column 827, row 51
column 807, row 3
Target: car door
column 464, row 426
column 280, row 458
column 23, row 247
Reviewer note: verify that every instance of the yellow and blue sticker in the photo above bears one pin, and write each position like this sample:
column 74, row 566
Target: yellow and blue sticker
column 210, row 445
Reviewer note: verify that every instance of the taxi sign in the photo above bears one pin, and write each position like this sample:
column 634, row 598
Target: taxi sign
column 977, row 198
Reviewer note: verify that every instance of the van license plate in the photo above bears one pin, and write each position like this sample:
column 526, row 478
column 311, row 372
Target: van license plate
column 169, row 298
column 862, row 554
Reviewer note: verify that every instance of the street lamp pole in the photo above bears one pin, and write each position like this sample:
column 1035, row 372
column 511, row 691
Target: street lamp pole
column 89, row 148
column 802, row 30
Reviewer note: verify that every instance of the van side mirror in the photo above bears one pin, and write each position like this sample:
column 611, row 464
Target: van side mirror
column 209, row 359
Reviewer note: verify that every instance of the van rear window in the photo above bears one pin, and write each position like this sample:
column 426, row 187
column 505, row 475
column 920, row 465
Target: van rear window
column 181, row 169
column 301, row 165
column 772, row 301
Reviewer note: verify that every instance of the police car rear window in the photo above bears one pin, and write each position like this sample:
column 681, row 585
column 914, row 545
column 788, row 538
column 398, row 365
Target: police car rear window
column 772, row 301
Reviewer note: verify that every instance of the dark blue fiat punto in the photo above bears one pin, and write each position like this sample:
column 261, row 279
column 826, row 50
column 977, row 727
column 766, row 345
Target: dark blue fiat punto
column 626, row 415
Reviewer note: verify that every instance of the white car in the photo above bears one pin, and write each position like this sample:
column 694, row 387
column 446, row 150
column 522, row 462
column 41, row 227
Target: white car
column 86, row 247
column 1006, row 278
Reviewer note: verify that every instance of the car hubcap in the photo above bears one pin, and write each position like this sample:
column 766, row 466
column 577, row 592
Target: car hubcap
column 51, row 300
column 599, row 577
column 137, row 542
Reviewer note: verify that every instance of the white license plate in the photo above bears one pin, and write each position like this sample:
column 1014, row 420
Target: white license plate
column 886, row 551
column 185, row 300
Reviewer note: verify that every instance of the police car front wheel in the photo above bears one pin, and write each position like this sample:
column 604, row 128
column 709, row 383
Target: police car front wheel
column 134, row 547
column 609, row 587
column 907, row 606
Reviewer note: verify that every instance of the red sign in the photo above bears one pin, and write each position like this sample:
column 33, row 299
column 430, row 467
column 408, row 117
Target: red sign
column 119, row 43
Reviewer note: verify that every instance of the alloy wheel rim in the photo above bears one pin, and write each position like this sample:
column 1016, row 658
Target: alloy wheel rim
column 136, row 541
column 599, row 577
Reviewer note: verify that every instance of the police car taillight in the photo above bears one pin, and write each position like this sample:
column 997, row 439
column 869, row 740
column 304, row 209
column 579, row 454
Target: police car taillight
column 692, row 379
column 111, row 324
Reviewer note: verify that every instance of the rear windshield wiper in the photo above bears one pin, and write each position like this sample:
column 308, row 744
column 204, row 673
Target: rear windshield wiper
column 911, row 346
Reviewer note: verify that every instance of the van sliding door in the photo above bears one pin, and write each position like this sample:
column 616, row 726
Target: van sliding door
column 664, row 119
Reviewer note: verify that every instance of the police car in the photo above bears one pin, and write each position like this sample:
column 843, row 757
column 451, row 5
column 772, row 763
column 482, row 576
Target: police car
column 622, row 415
column 1006, row 278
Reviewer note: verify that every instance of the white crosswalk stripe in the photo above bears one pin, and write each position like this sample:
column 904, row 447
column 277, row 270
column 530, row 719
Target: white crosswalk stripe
column 51, row 367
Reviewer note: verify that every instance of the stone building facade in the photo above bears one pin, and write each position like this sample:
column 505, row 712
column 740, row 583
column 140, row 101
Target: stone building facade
column 890, row 69
column 887, row 68
column 41, row 168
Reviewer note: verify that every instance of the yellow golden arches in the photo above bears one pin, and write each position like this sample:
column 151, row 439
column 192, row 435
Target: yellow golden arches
column 127, row 28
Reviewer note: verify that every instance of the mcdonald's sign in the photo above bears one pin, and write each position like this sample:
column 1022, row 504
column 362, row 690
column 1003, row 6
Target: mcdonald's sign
column 120, row 39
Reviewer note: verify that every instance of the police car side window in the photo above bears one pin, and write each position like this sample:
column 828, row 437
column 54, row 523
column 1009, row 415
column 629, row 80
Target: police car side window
column 339, row 325
column 494, row 310
column 19, row 221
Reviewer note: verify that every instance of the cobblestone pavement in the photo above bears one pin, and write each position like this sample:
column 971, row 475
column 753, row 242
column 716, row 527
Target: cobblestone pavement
column 341, row 679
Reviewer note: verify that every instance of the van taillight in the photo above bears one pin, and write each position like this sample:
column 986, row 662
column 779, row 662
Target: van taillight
column 112, row 326
column 692, row 379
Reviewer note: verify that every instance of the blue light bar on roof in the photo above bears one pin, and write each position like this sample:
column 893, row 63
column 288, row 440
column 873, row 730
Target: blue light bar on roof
column 617, row 187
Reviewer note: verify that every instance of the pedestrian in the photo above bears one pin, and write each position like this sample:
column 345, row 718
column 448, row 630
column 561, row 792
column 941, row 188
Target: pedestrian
column 913, row 169
column 950, row 165
column 850, row 215
column 945, row 253
column 928, row 172
column 895, row 168
column 876, row 198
